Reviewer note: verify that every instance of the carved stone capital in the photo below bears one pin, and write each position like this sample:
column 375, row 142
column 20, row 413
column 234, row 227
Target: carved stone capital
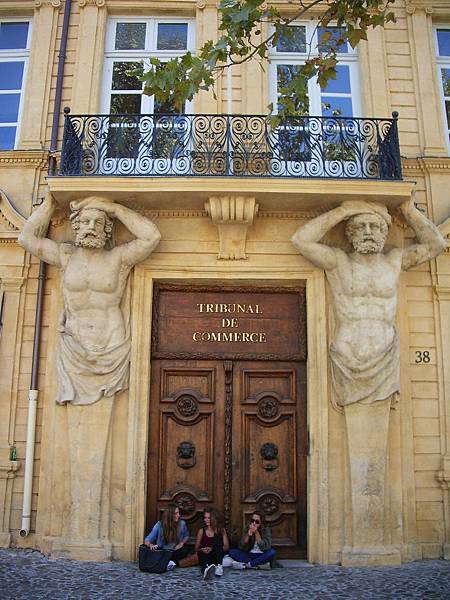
column 97, row 3
column 40, row 3
column 233, row 215
column 8, row 470
column 12, row 284
column 200, row 4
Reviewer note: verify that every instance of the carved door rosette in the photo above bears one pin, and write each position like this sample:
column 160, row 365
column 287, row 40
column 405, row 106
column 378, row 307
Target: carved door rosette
column 187, row 404
column 268, row 406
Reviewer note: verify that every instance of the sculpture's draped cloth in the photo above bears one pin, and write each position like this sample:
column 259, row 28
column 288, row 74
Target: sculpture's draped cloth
column 86, row 375
column 369, row 381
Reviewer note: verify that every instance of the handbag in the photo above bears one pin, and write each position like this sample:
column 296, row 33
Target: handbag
column 189, row 561
column 153, row 561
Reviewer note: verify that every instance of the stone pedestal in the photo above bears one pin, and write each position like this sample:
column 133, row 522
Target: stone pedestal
column 87, row 537
column 367, row 438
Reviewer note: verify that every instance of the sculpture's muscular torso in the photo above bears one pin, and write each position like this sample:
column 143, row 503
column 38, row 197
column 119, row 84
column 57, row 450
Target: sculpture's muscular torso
column 94, row 345
column 364, row 352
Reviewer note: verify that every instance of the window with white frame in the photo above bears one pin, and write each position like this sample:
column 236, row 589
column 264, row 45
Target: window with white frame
column 443, row 61
column 301, row 41
column 128, row 42
column 14, row 52
column 304, row 140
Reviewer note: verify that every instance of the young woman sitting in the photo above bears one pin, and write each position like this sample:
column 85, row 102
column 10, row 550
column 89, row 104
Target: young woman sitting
column 211, row 544
column 255, row 545
column 171, row 533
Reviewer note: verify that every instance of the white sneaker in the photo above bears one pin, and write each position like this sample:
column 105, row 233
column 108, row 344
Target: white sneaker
column 238, row 565
column 209, row 572
column 170, row 565
column 219, row 571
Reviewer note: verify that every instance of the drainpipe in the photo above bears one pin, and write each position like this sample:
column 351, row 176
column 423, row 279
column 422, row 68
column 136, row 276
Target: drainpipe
column 33, row 392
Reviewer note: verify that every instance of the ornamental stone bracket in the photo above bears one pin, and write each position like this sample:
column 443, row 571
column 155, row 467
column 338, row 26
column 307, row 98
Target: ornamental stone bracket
column 233, row 215
column 11, row 221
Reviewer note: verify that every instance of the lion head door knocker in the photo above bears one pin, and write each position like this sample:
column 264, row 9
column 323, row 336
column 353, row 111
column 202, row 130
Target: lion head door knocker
column 269, row 455
column 186, row 455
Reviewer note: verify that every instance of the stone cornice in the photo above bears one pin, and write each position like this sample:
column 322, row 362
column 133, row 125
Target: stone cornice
column 423, row 164
column 21, row 158
column 149, row 6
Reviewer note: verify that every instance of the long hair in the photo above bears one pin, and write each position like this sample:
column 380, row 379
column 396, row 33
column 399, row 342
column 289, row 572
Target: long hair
column 215, row 520
column 169, row 525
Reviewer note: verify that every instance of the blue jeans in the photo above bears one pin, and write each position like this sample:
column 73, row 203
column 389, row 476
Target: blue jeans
column 254, row 558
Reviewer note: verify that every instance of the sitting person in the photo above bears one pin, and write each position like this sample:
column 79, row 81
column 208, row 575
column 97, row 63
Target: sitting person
column 255, row 545
column 171, row 533
column 211, row 544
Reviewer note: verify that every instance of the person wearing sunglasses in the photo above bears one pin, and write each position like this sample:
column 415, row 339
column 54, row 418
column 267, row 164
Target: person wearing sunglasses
column 255, row 547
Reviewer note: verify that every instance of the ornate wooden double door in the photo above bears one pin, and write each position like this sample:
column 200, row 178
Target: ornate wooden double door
column 228, row 433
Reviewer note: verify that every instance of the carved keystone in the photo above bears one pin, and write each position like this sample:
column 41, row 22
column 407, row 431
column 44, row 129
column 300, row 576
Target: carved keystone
column 233, row 215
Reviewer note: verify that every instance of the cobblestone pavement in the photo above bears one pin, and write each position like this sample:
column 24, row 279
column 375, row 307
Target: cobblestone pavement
column 26, row 574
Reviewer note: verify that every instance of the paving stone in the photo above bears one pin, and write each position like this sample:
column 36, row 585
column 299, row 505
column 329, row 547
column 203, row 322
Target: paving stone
column 28, row 575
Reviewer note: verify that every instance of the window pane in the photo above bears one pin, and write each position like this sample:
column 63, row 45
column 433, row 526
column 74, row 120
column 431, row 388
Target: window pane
column 130, row 36
column 7, row 138
column 11, row 75
column 284, row 74
column 172, row 36
column 9, row 107
column 122, row 81
column 336, row 107
column 292, row 39
column 336, row 33
column 447, row 109
column 129, row 104
column 165, row 108
column 446, row 81
column 443, row 36
column 340, row 85
column 13, row 36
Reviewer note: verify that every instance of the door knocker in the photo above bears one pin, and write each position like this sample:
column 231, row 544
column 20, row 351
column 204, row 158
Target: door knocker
column 269, row 455
column 186, row 455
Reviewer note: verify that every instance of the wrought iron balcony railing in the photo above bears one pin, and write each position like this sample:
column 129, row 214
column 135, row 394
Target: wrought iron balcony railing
column 231, row 146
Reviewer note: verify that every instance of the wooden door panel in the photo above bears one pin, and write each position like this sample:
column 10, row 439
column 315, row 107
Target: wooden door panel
column 185, row 460
column 269, row 462
column 186, row 438
column 269, row 450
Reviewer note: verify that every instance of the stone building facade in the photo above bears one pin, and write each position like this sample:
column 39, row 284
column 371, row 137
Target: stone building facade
column 209, row 416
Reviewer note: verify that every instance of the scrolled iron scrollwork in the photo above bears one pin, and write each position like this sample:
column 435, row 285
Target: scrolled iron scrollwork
column 230, row 145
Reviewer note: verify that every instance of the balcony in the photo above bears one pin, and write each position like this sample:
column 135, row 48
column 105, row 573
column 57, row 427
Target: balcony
column 238, row 146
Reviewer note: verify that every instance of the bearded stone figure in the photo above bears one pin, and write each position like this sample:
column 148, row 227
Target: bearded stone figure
column 93, row 355
column 94, row 345
column 365, row 351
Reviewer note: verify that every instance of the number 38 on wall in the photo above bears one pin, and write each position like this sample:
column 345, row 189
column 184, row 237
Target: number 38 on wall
column 422, row 356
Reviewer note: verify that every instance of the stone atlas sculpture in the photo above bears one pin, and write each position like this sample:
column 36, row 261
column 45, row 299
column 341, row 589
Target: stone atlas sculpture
column 94, row 346
column 365, row 351
column 93, row 351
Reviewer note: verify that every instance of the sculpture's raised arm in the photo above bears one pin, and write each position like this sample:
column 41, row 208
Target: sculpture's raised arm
column 306, row 238
column 146, row 233
column 431, row 242
column 33, row 237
